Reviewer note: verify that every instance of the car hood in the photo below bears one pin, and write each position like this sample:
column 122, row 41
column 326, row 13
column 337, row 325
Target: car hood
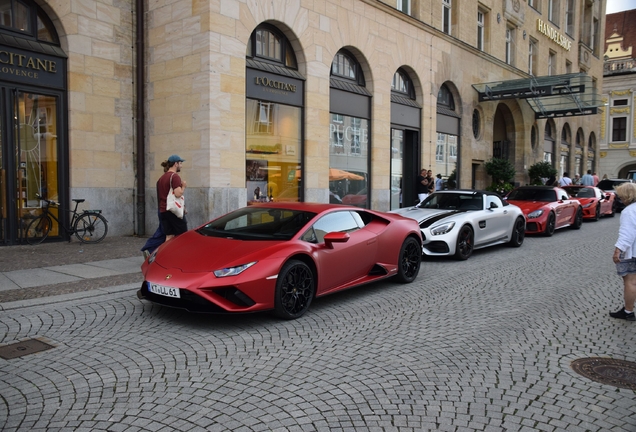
column 528, row 206
column 192, row 252
column 426, row 217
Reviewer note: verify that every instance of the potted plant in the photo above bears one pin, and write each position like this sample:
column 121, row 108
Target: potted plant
column 502, row 172
column 541, row 170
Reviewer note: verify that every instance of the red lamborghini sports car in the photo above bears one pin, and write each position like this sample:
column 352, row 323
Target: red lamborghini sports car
column 595, row 202
column 279, row 256
column 546, row 208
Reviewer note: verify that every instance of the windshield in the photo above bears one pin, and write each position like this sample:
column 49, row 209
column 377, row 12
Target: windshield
column 580, row 192
column 547, row 195
column 258, row 223
column 453, row 201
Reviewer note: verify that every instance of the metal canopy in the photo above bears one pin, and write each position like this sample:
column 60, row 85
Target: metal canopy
column 548, row 96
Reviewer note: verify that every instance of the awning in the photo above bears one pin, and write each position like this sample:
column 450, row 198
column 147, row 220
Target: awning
column 548, row 96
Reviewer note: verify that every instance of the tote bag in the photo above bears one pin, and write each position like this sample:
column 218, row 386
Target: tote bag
column 173, row 204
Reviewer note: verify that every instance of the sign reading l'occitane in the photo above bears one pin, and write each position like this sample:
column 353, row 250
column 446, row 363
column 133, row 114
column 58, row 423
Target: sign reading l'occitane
column 29, row 67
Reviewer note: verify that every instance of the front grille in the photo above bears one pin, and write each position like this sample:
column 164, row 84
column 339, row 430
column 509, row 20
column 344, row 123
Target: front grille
column 437, row 247
column 188, row 301
column 532, row 226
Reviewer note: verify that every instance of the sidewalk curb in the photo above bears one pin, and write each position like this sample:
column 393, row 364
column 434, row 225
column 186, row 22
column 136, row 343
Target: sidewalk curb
column 97, row 292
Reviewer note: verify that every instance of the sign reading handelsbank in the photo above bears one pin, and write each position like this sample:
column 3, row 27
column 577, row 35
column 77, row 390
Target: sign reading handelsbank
column 553, row 34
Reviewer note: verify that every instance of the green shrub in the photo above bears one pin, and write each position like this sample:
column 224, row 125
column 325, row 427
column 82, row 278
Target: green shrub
column 540, row 170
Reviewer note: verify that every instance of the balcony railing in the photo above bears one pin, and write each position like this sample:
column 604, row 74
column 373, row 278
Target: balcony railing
column 622, row 66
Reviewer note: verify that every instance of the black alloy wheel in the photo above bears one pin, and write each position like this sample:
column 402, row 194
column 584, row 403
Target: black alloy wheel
column 551, row 225
column 295, row 289
column 578, row 219
column 597, row 215
column 409, row 260
column 464, row 248
column 518, row 232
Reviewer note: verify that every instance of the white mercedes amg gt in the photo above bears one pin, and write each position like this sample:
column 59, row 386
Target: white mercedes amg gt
column 456, row 222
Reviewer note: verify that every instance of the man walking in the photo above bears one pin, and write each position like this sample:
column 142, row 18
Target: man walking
column 565, row 180
column 172, row 225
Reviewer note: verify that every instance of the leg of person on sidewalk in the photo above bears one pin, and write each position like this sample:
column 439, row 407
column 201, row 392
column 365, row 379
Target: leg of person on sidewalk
column 627, row 313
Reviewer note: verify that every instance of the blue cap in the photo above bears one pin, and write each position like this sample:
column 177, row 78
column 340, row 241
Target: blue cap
column 175, row 158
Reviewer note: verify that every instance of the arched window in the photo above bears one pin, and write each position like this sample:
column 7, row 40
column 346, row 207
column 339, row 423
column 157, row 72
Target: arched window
column 25, row 19
column 345, row 66
column 267, row 43
column 445, row 98
column 402, row 84
column 549, row 143
column 349, row 144
column 273, row 134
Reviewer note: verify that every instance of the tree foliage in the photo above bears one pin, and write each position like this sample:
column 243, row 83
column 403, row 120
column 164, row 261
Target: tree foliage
column 501, row 170
column 541, row 170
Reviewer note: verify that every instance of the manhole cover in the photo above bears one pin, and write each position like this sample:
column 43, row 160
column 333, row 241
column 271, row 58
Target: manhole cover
column 23, row 348
column 619, row 373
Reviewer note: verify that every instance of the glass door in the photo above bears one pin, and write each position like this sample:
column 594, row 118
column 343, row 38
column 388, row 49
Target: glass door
column 36, row 155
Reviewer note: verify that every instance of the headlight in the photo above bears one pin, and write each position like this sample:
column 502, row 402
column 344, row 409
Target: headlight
column 535, row 214
column 233, row 271
column 587, row 205
column 152, row 257
column 442, row 229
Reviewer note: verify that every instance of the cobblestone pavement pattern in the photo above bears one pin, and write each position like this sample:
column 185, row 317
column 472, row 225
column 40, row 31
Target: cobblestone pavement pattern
column 480, row 345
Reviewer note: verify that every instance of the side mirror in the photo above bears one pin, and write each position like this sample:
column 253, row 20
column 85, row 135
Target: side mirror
column 335, row 237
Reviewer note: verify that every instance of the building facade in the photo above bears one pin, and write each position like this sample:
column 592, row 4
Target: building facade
column 341, row 101
column 618, row 135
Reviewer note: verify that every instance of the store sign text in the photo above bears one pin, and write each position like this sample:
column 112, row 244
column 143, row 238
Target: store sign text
column 347, row 133
column 553, row 34
column 274, row 84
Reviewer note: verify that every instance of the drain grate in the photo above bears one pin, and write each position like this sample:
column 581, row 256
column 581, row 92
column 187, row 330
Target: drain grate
column 20, row 349
column 619, row 373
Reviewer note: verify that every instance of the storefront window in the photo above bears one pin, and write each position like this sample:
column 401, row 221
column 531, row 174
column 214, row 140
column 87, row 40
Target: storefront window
column 273, row 153
column 348, row 159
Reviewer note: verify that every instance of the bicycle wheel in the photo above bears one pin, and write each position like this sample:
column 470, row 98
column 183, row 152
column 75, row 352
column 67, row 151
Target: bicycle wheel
column 38, row 230
column 90, row 228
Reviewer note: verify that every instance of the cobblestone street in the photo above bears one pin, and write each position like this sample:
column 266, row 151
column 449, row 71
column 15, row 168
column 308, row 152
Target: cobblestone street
column 480, row 345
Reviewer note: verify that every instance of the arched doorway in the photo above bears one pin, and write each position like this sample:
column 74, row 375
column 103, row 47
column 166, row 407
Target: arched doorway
column 34, row 157
column 405, row 140
column 503, row 135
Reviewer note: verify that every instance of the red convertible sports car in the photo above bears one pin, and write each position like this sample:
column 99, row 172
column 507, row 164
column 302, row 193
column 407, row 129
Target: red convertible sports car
column 595, row 202
column 279, row 256
column 546, row 208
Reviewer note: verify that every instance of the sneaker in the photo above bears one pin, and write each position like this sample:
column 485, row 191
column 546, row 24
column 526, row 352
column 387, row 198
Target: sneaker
column 621, row 314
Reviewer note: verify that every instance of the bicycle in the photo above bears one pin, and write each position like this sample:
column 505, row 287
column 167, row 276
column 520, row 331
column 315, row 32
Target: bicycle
column 89, row 226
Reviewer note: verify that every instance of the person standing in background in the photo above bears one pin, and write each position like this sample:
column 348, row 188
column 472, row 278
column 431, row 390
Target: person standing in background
column 595, row 179
column 625, row 251
column 439, row 183
column 422, row 185
column 587, row 179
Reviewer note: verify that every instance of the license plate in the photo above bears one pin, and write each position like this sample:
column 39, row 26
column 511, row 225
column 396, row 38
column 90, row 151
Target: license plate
column 164, row 290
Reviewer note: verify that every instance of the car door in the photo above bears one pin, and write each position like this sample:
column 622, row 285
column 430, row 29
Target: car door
column 606, row 204
column 341, row 263
column 565, row 209
column 493, row 223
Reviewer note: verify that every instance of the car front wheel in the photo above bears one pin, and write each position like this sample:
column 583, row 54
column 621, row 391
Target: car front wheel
column 578, row 219
column 464, row 247
column 518, row 233
column 551, row 225
column 597, row 215
column 409, row 260
column 295, row 289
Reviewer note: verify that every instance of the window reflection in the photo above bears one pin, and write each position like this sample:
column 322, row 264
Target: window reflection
column 348, row 159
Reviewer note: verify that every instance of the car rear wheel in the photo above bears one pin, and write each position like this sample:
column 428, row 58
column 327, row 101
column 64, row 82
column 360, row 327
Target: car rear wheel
column 597, row 215
column 518, row 233
column 295, row 289
column 409, row 260
column 578, row 219
column 551, row 225
column 464, row 247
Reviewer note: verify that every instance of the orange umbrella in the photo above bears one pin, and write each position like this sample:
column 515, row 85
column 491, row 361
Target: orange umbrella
column 338, row 174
